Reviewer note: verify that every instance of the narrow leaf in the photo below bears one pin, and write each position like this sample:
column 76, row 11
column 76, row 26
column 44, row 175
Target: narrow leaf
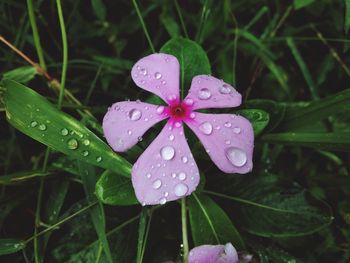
column 10, row 246
column 302, row 3
column 22, row 74
column 258, row 118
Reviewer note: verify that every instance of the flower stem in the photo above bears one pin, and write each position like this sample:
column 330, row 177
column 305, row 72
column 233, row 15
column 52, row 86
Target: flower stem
column 143, row 25
column 184, row 229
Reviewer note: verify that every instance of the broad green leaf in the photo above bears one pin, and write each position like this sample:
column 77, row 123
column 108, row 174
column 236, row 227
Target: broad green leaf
column 347, row 16
column 36, row 117
column 316, row 111
column 326, row 141
column 258, row 118
column 192, row 58
column 210, row 224
column 302, row 3
column 21, row 75
column 89, row 178
column 10, row 246
column 113, row 189
column 99, row 9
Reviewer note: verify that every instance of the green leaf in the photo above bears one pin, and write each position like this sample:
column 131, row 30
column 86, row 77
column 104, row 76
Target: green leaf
column 170, row 25
column 347, row 16
column 210, row 224
column 192, row 58
column 22, row 74
column 302, row 3
column 36, row 117
column 315, row 111
column 326, row 141
column 258, row 118
column 10, row 245
column 99, row 9
column 113, row 189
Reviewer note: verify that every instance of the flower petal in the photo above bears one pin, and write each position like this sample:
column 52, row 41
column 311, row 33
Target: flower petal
column 125, row 122
column 213, row 254
column 166, row 170
column 227, row 138
column 159, row 74
column 209, row 92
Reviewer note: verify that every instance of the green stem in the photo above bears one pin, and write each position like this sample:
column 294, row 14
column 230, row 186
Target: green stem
column 143, row 26
column 36, row 36
column 146, row 237
column 184, row 229
column 181, row 19
column 65, row 52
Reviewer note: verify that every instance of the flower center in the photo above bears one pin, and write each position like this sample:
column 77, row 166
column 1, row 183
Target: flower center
column 179, row 111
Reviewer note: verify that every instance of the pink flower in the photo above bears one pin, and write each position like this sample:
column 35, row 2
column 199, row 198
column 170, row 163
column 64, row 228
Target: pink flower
column 166, row 170
column 213, row 254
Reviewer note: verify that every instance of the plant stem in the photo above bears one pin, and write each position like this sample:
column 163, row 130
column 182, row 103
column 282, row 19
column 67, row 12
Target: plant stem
column 36, row 36
column 143, row 25
column 65, row 52
column 181, row 18
column 184, row 229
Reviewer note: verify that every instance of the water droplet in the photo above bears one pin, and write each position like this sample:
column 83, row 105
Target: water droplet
column 85, row 153
column 143, row 81
column 173, row 175
column 192, row 115
column 143, row 71
column 129, row 132
column 42, row 127
column 98, row 159
column 33, row 124
column 227, row 142
column 167, row 153
column 228, row 124
column 184, row 159
column 189, row 101
column 162, row 201
column 119, row 142
column 206, row 128
column 166, row 194
column 171, row 137
column 163, row 82
column 204, row 94
column 64, row 132
column 148, row 175
column 143, row 204
column 177, row 124
column 157, row 184
column 171, row 97
column 135, row 114
column 160, row 109
column 225, row 89
column 140, row 138
column 236, row 130
column 157, row 75
column 116, row 107
column 180, row 190
column 72, row 144
column 236, row 156
column 182, row 176
column 86, row 142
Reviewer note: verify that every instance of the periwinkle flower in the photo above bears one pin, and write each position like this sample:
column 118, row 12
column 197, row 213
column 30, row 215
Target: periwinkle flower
column 166, row 170
column 213, row 254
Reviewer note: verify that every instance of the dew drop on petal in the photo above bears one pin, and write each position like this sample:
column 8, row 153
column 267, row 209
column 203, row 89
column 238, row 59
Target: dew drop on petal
column 181, row 189
column 129, row 132
column 64, row 131
column 225, row 89
column 184, row 159
column 162, row 201
column 237, row 130
column 182, row 176
column 163, row 82
column 204, row 94
column 119, row 142
column 167, row 153
column 228, row 124
column 157, row 184
column 236, row 156
column 177, row 124
column 189, row 101
column 173, row 175
column 143, row 71
column 227, row 142
column 148, row 175
column 192, row 115
column 135, row 114
column 160, row 109
column 206, row 128
column 72, row 144
column 171, row 137
column 157, row 75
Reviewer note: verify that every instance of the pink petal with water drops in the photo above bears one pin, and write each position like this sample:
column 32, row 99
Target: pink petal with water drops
column 209, row 92
column 126, row 122
column 227, row 138
column 159, row 74
column 166, row 170
column 213, row 254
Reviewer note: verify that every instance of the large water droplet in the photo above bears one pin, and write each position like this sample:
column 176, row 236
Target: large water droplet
column 162, row 201
column 135, row 114
column 157, row 75
column 160, row 109
column 236, row 156
column 86, row 142
column 33, row 124
column 42, row 127
column 204, row 94
column 167, row 153
column 157, row 184
column 72, row 144
column 206, row 128
column 182, row 176
column 225, row 89
column 98, row 159
column 64, row 131
column 180, row 190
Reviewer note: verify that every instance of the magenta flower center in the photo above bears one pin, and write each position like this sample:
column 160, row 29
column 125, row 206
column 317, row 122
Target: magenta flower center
column 180, row 111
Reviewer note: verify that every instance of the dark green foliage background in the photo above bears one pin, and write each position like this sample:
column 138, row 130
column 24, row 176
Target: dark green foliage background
column 289, row 59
